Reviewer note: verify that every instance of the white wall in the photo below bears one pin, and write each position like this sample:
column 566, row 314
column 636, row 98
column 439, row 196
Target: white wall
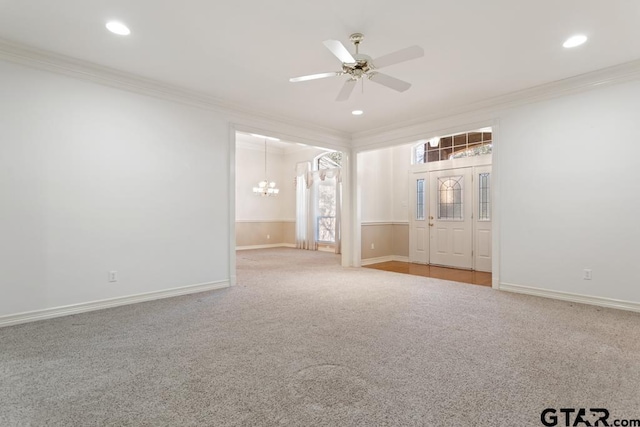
column 375, row 182
column 281, row 165
column 568, row 183
column 383, row 181
column 94, row 179
column 569, row 186
column 401, row 155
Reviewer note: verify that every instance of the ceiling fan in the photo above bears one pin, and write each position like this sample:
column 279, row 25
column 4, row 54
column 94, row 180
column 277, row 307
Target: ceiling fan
column 359, row 66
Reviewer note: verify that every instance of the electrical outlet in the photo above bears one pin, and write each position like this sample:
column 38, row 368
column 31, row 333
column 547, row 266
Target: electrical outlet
column 587, row 274
column 113, row 276
column 373, row 246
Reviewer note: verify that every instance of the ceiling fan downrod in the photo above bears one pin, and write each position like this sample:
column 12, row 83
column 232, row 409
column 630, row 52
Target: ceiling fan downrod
column 356, row 38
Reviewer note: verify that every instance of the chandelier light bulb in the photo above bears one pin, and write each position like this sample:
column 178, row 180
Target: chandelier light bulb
column 266, row 187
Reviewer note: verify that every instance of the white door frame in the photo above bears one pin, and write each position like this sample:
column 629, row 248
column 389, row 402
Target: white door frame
column 349, row 233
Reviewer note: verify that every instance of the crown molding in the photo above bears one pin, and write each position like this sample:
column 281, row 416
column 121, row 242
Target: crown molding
column 483, row 112
column 250, row 119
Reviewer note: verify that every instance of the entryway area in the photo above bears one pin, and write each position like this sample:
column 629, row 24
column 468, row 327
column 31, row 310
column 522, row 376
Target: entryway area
column 426, row 207
column 453, row 274
column 288, row 194
column 450, row 202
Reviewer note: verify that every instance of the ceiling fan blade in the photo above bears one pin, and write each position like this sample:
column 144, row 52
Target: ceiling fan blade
column 315, row 76
column 401, row 55
column 390, row 82
column 339, row 51
column 346, row 90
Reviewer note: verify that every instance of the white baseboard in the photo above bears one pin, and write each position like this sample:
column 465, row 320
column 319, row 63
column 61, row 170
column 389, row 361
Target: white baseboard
column 50, row 313
column 567, row 296
column 275, row 245
column 369, row 261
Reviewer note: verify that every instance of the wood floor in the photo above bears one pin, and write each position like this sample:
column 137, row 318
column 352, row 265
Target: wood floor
column 453, row 274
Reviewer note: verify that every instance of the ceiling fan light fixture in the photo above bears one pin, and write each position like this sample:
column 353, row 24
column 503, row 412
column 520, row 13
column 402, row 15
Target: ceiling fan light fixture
column 357, row 112
column 360, row 66
column 575, row 41
column 118, row 28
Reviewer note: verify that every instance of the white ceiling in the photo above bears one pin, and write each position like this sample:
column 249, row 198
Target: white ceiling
column 243, row 52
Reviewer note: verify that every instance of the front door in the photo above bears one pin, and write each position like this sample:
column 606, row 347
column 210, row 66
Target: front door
column 450, row 218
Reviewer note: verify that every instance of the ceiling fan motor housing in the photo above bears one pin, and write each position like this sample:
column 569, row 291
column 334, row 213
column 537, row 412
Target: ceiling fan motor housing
column 363, row 62
column 361, row 67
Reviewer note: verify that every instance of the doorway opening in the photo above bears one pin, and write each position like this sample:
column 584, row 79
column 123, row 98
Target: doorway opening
column 304, row 210
column 450, row 202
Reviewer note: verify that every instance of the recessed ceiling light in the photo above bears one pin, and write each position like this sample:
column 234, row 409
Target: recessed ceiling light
column 574, row 41
column 118, row 28
column 357, row 112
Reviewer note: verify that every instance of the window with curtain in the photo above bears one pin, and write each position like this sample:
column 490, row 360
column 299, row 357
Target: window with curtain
column 318, row 203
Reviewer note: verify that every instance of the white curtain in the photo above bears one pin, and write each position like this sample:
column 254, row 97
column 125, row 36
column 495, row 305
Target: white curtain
column 338, row 179
column 308, row 211
column 305, row 212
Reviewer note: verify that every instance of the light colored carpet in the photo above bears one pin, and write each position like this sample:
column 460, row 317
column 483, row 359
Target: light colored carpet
column 301, row 341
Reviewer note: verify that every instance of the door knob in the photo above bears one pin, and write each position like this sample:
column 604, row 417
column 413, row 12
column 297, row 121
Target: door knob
column 430, row 225
column 430, row 217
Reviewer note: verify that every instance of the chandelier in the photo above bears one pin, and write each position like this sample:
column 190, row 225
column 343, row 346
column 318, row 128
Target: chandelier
column 266, row 187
